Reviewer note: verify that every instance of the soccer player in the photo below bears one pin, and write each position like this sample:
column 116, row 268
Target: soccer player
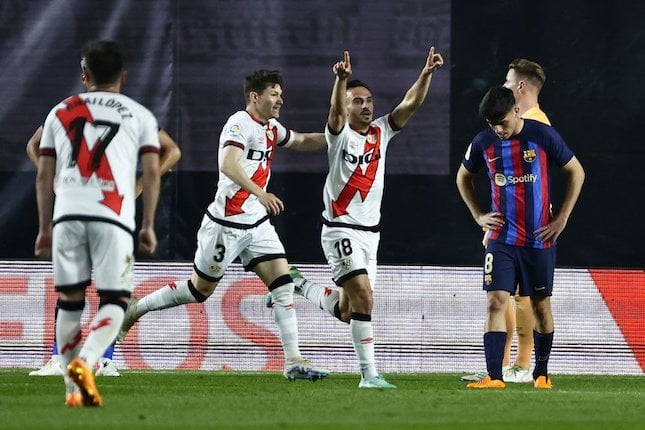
column 236, row 222
column 526, row 79
column 521, row 248
column 357, row 144
column 169, row 155
column 91, row 143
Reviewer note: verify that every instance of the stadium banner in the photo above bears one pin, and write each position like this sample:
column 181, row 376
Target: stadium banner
column 426, row 319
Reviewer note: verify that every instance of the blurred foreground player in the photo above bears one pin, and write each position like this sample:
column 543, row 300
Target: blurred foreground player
column 91, row 143
column 521, row 247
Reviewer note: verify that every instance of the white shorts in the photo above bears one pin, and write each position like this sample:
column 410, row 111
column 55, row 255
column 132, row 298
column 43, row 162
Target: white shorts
column 80, row 246
column 350, row 252
column 218, row 246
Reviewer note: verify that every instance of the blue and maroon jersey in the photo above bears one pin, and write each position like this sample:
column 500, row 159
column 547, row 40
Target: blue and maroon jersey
column 519, row 172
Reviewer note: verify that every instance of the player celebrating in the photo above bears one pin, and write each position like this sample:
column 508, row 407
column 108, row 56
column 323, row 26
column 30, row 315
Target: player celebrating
column 91, row 143
column 236, row 222
column 352, row 196
column 521, row 246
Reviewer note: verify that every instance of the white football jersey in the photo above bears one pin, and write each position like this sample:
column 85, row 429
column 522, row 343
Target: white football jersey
column 258, row 140
column 96, row 138
column 354, row 184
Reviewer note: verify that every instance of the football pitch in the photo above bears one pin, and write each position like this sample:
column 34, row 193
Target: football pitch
column 230, row 400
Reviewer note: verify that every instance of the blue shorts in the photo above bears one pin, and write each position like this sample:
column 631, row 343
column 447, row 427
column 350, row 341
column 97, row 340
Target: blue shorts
column 506, row 266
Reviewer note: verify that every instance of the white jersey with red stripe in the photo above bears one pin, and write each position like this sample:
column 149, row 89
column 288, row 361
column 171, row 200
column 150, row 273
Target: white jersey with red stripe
column 354, row 184
column 258, row 140
column 96, row 138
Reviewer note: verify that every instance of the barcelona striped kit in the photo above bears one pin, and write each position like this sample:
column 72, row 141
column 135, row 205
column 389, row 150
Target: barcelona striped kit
column 519, row 172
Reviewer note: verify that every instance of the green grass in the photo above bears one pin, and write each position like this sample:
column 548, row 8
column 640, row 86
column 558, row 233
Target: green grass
column 185, row 400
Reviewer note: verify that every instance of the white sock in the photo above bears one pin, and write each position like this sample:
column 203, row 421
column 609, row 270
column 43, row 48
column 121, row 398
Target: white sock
column 102, row 332
column 168, row 296
column 325, row 298
column 68, row 337
column 285, row 318
column 363, row 339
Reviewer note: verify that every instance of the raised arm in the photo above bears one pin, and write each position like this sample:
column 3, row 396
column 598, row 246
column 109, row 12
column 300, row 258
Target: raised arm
column 230, row 166
column 415, row 96
column 33, row 145
column 576, row 177
column 338, row 111
column 169, row 155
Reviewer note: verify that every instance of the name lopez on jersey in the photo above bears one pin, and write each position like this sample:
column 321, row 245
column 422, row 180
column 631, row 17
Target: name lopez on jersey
column 110, row 103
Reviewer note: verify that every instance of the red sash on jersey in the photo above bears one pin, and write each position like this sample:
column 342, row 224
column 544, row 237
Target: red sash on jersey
column 360, row 182
column 73, row 118
column 260, row 177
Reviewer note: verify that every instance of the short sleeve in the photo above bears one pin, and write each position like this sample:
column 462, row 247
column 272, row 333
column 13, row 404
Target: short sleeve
column 556, row 148
column 149, row 137
column 232, row 133
column 47, row 141
column 285, row 136
column 333, row 138
column 473, row 158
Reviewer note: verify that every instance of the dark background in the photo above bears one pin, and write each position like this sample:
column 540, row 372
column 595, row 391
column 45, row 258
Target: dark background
column 593, row 54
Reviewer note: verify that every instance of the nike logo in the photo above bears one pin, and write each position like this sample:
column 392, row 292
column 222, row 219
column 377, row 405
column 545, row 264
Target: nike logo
column 490, row 160
column 539, row 288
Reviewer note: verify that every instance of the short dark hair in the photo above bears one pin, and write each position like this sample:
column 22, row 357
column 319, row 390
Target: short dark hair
column 356, row 83
column 497, row 102
column 259, row 80
column 104, row 59
column 529, row 70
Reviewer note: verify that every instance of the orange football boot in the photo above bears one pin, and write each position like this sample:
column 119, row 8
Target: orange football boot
column 83, row 377
column 487, row 383
column 73, row 400
column 543, row 382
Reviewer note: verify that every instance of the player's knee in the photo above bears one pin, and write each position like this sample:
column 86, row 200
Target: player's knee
column 118, row 298
column 282, row 290
column 204, row 287
column 71, row 305
column 497, row 304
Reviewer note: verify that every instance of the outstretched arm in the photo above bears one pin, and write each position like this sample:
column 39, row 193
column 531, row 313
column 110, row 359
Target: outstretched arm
column 308, row 141
column 576, row 177
column 338, row 111
column 418, row 91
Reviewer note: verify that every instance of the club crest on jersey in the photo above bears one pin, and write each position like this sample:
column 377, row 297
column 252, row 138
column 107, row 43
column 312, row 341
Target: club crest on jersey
column 270, row 134
column 529, row 155
column 346, row 263
column 371, row 138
